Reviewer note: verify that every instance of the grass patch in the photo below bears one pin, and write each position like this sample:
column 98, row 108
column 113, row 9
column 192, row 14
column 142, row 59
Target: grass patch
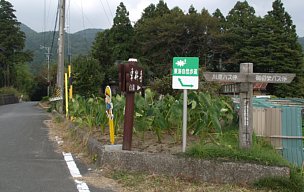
column 292, row 184
column 225, row 147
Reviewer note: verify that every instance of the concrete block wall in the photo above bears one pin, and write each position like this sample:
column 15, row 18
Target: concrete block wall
column 188, row 168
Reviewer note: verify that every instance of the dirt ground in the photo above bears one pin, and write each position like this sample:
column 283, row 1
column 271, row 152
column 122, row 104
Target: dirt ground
column 149, row 143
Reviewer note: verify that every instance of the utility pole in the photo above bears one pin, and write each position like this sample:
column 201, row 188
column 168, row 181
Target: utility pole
column 48, row 54
column 60, row 69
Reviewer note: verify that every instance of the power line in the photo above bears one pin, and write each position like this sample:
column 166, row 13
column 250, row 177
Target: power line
column 69, row 30
column 44, row 22
column 54, row 31
column 109, row 8
column 49, row 10
column 83, row 25
column 105, row 12
column 82, row 14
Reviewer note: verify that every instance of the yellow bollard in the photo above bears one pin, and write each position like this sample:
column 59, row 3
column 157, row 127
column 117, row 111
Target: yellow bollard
column 71, row 86
column 111, row 126
column 109, row 107
column 66, row 95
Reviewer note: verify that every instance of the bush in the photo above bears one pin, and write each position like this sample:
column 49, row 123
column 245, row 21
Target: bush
column 9, row 90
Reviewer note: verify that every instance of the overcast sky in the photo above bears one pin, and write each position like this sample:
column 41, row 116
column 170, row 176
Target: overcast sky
column 81, row 14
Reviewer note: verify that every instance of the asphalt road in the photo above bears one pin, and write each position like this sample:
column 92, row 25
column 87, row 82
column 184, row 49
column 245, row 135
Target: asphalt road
column 28, row 161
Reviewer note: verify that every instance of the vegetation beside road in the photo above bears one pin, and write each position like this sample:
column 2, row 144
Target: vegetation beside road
column 161, row 114
column 127, row 181
column 226, row 147
column 214, row 140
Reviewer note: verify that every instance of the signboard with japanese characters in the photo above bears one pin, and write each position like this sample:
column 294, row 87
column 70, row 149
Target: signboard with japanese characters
column 245, row 80
column 185, row 73
column 225, row 77
column 130, row 77
column 253, row 77
column 271, row 77
column 130, row 81
column 134, row 77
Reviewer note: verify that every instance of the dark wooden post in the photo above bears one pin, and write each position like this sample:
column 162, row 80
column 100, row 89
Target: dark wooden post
column 128, row 122
column 130, row 81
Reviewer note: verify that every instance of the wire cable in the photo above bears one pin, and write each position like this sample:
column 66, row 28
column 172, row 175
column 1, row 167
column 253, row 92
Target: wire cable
column 110, row 9
column 105, row 12
column 82, row 14
column 44, row 22
column 55, row 27
column 69, row 30
column 84, row 28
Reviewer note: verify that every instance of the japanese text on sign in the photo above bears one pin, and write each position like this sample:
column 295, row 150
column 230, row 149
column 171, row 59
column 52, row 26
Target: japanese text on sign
column 271, row 78
column 136, row 75
column 224, row 77
column 134, row 79
column 246, row 111
column 185, row 71
column 133, row 87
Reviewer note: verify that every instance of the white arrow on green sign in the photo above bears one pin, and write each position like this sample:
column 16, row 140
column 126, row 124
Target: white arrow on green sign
column 185, row 73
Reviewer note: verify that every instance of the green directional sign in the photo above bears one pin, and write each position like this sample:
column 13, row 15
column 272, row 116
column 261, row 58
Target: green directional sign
column 185, row 72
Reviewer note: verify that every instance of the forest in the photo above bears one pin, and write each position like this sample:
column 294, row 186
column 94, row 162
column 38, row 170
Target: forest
column 221, row 42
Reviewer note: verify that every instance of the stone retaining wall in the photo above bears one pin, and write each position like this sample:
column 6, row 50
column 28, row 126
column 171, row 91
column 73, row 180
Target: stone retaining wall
column 8, row 99
column 189, row 168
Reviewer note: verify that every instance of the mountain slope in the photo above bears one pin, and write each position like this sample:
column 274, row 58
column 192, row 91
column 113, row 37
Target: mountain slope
column 80, row 44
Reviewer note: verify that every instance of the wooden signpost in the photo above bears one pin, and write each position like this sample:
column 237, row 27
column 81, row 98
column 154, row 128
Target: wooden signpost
column 130, row 81
column 246, row 78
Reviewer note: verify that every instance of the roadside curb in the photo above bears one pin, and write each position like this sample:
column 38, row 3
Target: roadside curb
column 172, row 165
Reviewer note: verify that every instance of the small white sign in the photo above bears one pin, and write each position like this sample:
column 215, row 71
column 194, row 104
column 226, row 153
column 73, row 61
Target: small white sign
column 55, row 99
column 184, row 82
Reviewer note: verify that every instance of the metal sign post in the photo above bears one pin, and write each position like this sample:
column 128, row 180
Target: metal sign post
column 185, row 120
column 185, row 72
column 246, row 77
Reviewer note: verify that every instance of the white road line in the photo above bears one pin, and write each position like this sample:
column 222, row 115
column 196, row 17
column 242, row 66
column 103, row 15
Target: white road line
column 81, row 186
column 71, row 165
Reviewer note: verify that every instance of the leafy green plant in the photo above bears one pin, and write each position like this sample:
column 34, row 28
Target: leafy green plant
column 86, row 112
column 91, row 113
column 118, row 111
column 143, row 114
column 175, row 108
column 207, row 115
